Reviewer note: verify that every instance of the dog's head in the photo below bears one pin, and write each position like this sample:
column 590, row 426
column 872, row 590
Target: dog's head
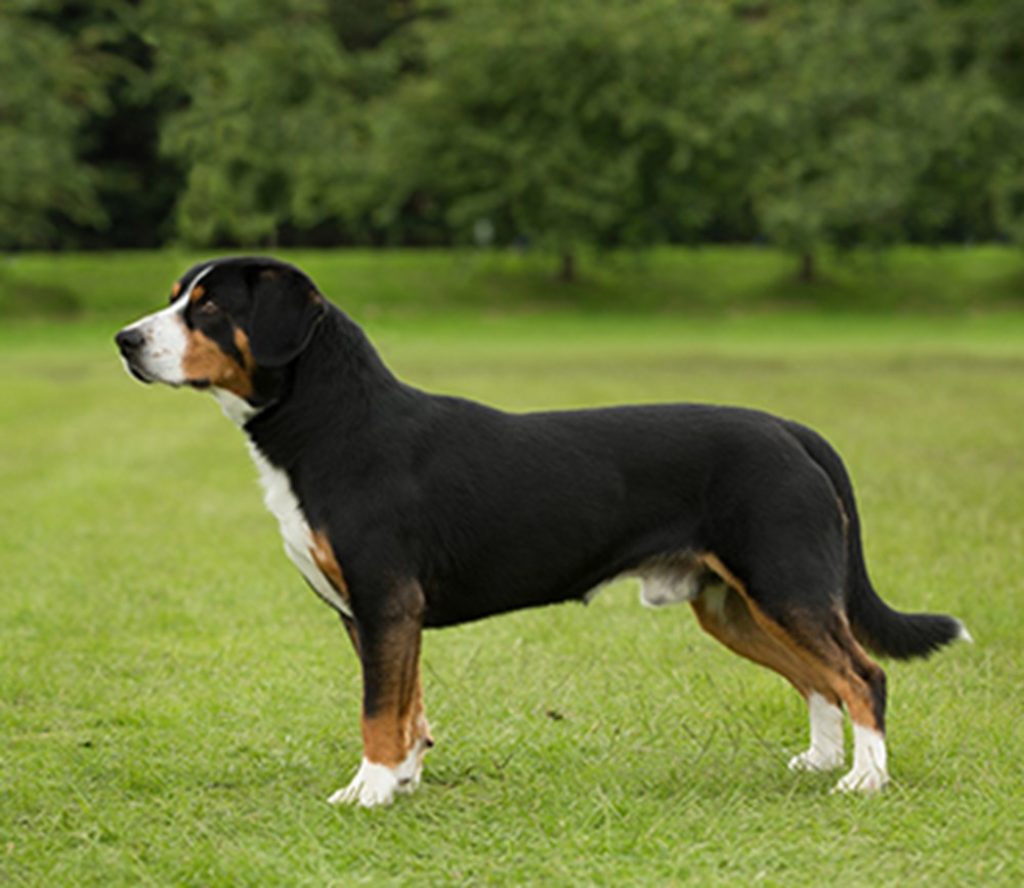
column 231, row 324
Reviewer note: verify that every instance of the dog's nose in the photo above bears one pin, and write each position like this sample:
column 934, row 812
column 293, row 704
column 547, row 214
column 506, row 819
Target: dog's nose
column 129, row 341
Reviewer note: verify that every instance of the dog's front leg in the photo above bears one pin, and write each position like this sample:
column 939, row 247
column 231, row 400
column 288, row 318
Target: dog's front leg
column 395, row 732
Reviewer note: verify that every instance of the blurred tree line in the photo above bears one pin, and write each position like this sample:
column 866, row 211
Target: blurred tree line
column 833, row 123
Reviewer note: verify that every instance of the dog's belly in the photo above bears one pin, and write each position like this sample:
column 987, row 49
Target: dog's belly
column 280, row 499
column 670, row 582
column 669, row 578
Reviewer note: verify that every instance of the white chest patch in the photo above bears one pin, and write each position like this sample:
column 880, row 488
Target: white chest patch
column 280, row 499
column 237, row 409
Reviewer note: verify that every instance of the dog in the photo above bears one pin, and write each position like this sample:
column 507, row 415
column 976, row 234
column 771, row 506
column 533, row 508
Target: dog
column 405, row 510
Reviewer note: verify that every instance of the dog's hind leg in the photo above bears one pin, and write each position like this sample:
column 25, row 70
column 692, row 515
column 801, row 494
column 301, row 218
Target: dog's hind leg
column 819, row 644
column 724, row 614
column 862, row 685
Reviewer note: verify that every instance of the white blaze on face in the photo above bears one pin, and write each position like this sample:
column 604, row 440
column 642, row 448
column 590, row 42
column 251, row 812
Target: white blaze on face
column 162, row 354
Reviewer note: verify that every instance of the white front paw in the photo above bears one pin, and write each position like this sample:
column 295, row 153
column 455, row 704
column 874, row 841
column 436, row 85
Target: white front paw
column 373, row 785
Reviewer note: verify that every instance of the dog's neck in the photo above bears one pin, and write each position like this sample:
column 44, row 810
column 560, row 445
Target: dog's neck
column 333, row 388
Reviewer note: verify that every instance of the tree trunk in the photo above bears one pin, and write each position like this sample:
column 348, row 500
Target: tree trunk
column 567, row 269
column 808, row 270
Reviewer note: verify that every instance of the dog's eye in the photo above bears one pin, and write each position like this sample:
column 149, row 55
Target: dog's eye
column 208, row 308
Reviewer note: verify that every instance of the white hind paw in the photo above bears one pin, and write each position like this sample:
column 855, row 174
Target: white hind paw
column 826, row 750
column 816, row 760
column 869, row 773
column 866, row 782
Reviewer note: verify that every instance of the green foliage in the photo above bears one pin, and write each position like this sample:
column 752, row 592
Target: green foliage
column 876, row 133
column 569, row 127
column 816, row 125
column 836, row 159
column 595, row 123
column 52, row 81
column 267, row 127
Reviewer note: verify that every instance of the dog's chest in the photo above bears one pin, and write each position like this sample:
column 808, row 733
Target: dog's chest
column 280, row 499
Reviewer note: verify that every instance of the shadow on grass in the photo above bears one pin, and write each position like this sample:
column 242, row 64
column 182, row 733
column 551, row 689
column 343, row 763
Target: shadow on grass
column 27, row 299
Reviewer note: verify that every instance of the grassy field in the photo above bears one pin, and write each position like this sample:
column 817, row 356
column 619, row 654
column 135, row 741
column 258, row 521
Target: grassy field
column 386, row 284
column 175, row 706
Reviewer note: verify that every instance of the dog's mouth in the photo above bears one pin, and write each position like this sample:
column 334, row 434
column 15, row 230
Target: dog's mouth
column 148, row 379
column 144, row 376
column 138, row 373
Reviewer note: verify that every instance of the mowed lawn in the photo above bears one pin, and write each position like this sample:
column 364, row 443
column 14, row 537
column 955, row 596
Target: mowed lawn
column 176, row 706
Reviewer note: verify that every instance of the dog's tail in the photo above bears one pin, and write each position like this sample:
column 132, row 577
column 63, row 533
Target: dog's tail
column 877, row 626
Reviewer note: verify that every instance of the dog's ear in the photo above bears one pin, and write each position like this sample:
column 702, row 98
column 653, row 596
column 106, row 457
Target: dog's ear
column 286, row 308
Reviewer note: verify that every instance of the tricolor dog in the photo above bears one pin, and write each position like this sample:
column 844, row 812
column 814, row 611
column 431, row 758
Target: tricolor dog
column 405, row 510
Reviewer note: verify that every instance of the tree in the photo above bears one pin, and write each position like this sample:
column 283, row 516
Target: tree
column 43, row 178
column 270, row 126
column 837, row 166
column 878, row 130
column 997, row 49
column 595, row 123
column 592, row 124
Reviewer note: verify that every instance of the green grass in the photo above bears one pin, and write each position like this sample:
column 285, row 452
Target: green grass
column 382, row 283
column 175, row 706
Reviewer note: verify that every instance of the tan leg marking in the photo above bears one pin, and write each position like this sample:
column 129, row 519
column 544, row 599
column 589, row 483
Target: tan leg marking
column 397, row 722
column 392, row 729
column 731, row 622
column 396, row 735
column 323, row 556
column 831, row 664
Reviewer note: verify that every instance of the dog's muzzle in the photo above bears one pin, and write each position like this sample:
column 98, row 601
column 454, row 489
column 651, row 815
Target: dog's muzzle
column 130, row 342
